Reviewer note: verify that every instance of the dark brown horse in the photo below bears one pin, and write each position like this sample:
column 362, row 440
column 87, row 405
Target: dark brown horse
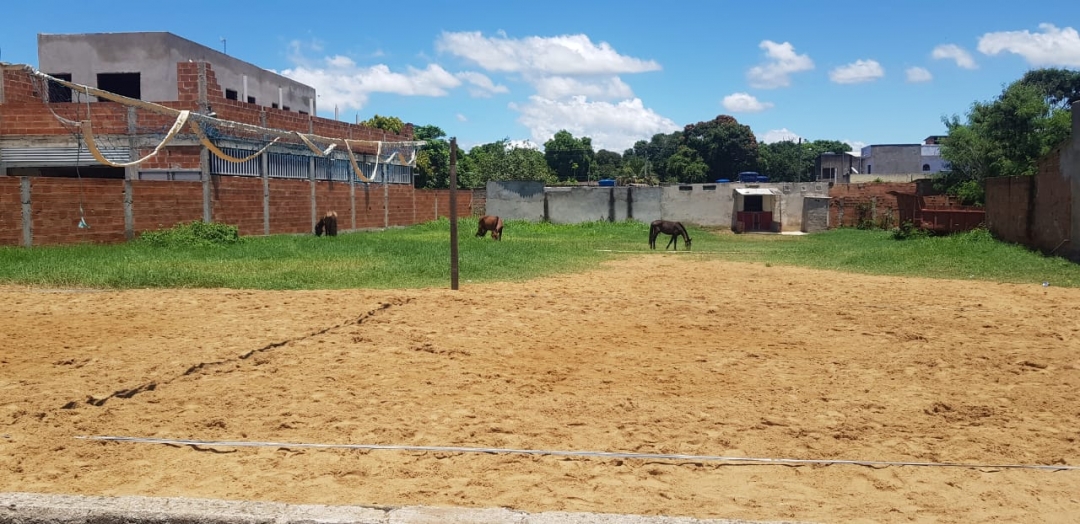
column 667, row 227
column 490, row 223
column 327, row 223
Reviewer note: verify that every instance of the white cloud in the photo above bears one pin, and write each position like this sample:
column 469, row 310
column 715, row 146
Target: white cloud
column 556, row 55
column 480, row 85
column 561, row 87
column 857, row 72
column 918, row 74
column 744, row 103
column 1050, row 47
column 612, row 126
column 778, row 135
column 340, row 82
column 461, row 118
column 777, row 71
column 955, row 53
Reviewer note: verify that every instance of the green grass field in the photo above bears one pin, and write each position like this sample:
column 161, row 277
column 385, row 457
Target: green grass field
column 418, row 256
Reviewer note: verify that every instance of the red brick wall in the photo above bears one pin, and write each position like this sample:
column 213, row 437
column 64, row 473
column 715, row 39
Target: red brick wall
column 847, row 199
column 239, row 201
column 55, row 207
column 290, row 206
column 1007, row 202
column 1051, row 217
column 178, row 157
column 10, row 212
column 369, row 206
column 159, row 204
column 334, row 196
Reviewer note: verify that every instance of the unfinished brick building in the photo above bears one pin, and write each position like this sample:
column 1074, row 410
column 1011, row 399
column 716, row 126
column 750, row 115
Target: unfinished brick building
column 51, row 186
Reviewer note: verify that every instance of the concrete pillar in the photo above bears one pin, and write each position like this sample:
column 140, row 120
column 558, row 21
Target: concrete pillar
column 386, row 197
column 207, row 194
column 245, row 90
column 264, row 173
column 311, row 185
column 204, row 154
column 27, row 211
column 130, row 173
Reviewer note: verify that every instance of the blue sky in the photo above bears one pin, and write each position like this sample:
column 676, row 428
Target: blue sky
column 617, row 71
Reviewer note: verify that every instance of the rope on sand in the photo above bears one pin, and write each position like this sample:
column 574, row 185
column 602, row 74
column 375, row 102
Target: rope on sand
column 599, row 454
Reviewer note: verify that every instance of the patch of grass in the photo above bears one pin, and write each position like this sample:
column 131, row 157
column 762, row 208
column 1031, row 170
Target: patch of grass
column 419, row 256
column 972, row 255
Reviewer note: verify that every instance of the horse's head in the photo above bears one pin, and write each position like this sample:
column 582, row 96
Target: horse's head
column 688, row 242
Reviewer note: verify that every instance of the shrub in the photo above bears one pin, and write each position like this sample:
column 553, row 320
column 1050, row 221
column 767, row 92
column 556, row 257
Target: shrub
column 907, row 230
column 192, row 234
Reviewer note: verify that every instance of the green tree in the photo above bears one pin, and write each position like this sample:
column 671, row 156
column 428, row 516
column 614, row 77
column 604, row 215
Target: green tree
column 1005, row 136
column 433, row 159
column 391, row 124
column 608, row 164
column 570, row 158
column 687, row 166
column 725, row 145
column 1060, row 87
column 501, row 161
column 783, row 161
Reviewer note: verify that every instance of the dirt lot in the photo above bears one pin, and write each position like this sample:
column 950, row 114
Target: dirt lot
column 657, row 354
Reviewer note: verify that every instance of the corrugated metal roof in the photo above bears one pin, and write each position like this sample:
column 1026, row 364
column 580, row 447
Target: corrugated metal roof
column 58, row 156
column 755, row 191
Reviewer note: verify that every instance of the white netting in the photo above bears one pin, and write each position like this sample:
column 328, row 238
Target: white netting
column 230, row 141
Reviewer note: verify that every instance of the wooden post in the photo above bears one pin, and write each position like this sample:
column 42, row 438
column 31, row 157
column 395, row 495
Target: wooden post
column 453, row 215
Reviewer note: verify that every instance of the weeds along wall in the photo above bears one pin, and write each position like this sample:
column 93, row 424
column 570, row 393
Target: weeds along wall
column 44, row 204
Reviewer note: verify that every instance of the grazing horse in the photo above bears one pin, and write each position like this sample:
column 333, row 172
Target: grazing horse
column 667, row 227
column 327, row 223
column 490, row 223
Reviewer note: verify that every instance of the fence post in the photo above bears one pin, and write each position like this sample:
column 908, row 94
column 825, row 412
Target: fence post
column 311, row 182
column 453, row 215
column 385, row 197
column 264, row 174
column 130, row 173
column 27, row 211
column 204, row 154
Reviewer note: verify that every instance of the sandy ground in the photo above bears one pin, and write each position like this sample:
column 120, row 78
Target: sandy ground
column 661, row 353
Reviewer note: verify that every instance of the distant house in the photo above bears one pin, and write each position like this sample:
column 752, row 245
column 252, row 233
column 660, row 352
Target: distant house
column 890, row 162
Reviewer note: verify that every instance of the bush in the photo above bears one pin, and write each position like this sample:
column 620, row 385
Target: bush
column 192, row 234
column 907, row 230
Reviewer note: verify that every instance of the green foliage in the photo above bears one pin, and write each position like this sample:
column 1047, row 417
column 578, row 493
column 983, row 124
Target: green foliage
column 1007, row 136
column 687, row 166
column 433, row 159
column 192, row 234
column 725, row 145
column 608, row 164
column 907, row 230
column 390, row 124
column 502, row 161
column 570, row 158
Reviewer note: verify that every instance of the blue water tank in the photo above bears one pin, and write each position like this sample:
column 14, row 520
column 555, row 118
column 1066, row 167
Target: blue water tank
column 748, row 176
column 607, row 182
column 723, row 181
column 762, row 178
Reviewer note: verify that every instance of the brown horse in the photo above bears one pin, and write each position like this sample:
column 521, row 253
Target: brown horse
column 667, row 227
column 327, row 223
column 490, row 223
